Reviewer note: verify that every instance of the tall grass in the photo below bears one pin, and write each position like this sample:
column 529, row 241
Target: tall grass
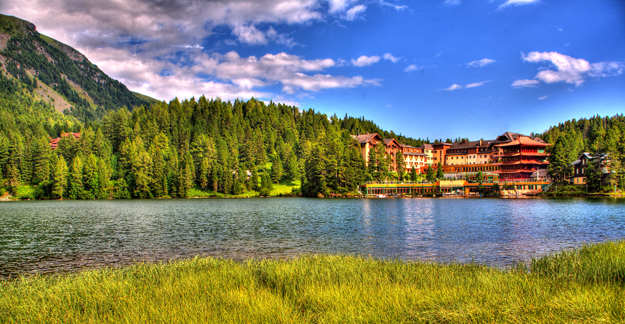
column 601, row 263
column 327, row 289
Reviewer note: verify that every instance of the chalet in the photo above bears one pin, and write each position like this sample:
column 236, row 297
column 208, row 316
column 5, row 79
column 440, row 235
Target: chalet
column 367, row 142
column 55, row 142
column 520, row 158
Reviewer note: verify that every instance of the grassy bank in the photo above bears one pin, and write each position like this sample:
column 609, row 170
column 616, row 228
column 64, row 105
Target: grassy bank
column 583, row 286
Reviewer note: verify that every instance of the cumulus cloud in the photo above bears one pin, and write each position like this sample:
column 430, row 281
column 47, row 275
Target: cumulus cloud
column 543, row 98
column 452, row 2
column 390, row 57
column 411, row 68
column 468, row 86
column 481, row 63
column 567, row 69
column 154, row 46
column 515, row 3
column 365, row 60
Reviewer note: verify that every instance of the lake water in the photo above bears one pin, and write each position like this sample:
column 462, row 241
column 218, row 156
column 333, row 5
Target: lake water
column 57, row 236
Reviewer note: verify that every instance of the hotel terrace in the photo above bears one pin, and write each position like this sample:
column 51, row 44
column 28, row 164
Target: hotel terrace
column 509, row 157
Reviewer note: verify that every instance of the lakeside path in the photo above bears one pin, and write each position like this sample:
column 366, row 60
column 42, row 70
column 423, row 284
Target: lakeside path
column 583, row 286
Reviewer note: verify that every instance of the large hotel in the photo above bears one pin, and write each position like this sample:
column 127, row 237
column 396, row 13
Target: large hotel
column 509, row 157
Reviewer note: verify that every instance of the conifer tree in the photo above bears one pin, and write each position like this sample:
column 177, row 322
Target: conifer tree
column 59, row 177
column 276, row 169
column 75, row 187
column 91, row 183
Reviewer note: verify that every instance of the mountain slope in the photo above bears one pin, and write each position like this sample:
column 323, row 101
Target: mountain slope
column 80, row 85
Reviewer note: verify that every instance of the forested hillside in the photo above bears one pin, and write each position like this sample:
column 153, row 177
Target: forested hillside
column 603, row 137
column 169, row 150
column 42, row 63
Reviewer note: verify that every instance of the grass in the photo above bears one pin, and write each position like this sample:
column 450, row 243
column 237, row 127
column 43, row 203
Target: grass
column 582, row 286
column 278, row 190
column 24, row 192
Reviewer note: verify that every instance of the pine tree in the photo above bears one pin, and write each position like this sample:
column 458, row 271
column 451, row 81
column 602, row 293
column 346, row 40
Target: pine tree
column 91, row 183
column 276, row 169
column 142, row 169
column 75, row 190
column 59, row 177
column 429, row 176
column 439, row 171
column 104, row 176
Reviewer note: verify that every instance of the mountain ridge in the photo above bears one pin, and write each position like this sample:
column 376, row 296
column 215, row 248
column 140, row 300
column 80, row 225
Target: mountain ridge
column 80, row 86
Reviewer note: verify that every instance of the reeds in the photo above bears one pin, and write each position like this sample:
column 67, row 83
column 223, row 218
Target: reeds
column 583, row 286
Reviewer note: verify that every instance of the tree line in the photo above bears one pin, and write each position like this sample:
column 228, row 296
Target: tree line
column 602, row 137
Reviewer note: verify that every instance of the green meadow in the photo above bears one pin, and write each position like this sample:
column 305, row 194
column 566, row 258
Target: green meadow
column 580, row 286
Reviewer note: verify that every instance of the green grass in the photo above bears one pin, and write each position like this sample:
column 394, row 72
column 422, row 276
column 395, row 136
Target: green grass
column 24, row 192
column 582, row 286
column 284, row 188
column 278, row 189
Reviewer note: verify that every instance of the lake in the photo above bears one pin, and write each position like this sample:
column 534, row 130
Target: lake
column 58, row 236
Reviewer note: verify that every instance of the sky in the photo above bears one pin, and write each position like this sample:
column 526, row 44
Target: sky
column 431, row 69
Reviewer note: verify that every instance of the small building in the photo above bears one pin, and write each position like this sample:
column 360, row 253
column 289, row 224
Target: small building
column 55, row 142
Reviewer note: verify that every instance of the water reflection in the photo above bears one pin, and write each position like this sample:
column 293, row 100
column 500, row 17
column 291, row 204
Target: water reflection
column 46, row 236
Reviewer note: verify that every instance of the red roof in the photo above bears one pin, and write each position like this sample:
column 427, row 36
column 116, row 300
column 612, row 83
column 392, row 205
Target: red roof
column 365, row 138
column 523, row 140
column 54, row 142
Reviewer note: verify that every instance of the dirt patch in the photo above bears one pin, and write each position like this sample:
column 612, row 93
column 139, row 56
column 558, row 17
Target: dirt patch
column 46, row 93
column 4, row 41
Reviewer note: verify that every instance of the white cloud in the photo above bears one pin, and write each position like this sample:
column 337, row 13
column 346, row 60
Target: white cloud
column 250, row 35
column 515, row 3
column 394, row 6
column 468, row 86
column 452, row 2
column 390, row 57
column 365, row 60
column 476, row 84
column 569, row 69
column 135, row 40
column 481, row 63
column 410, row 68
column 525, row 83
column 339, row 6
column 543, row 98
column 454, row 87
column 354, row 12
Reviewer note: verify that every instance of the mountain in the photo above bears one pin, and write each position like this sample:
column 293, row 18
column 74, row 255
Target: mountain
column 57, row 73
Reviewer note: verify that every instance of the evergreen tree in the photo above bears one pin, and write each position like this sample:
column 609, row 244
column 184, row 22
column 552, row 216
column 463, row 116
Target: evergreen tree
column 430, row 174
column 59, row 177
column 104, row 176
column 439, row 171
column 315, row 176
column 401, row 165
column 91, row 183
column 75, row 187
column 276, row 169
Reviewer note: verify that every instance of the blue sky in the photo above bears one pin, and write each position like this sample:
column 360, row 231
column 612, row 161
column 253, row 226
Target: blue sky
column 435, row 69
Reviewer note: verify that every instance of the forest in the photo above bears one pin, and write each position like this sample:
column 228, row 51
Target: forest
column 179, row 149
column 602, row 137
